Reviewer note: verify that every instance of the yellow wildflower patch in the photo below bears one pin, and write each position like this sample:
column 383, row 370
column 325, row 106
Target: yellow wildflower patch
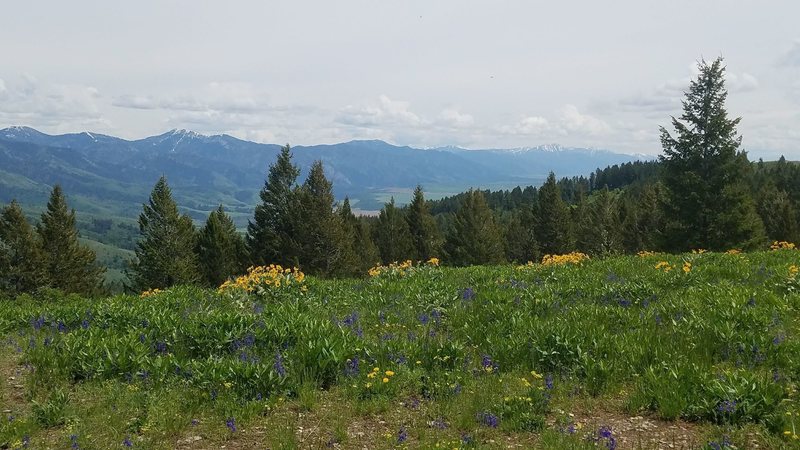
column 150, row 293
column 401, row 269
column 569, row 258
column 782, row 245
column 260, row 278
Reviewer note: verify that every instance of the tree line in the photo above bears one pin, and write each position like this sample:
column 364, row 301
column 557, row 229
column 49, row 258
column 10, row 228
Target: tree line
column 701, row 193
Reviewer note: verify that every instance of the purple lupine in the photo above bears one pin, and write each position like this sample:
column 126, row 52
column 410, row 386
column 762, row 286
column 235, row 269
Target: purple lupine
column 605, row 436
column 402, row 435
column 127, row 442
column 467, row 294
column 488, row 419
column 278, row 365
column 231, row 424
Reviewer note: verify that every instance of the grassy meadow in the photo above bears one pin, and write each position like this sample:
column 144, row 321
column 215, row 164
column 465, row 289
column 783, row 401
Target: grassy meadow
column 653, row 351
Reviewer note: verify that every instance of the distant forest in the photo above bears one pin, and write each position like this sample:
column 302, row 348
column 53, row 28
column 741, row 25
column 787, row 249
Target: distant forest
column 703, row 192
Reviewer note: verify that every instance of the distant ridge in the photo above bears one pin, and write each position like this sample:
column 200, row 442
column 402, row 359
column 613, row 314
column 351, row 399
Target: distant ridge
column 107, row 175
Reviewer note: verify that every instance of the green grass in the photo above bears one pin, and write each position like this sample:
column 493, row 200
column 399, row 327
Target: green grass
column 481, row 357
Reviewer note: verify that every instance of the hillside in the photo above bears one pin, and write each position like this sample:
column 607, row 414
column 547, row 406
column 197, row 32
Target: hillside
column 111, row 177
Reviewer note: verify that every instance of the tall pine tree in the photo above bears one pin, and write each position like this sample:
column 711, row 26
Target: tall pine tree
column 553, row 231
column 22, row 262
column 603, row 234
column 70, row 266
column 272, row 235
column 392, row 235
column 357, row 233
column 165, row 253
column 220, row 249
column 708, row 202
column 520, row 235
column 424, row 232
column 474, row 237
column 325, row 248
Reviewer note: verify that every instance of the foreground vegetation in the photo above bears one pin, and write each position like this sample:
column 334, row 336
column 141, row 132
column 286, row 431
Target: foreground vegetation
column 696, row 350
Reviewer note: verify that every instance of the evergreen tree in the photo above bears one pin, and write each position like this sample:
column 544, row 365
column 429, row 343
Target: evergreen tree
column 650, row 219
column 22, row 262
column 778, row 214
column 553, row 231
column 220, row 249
column 708, row 201
column 165, row 253
column 581, row 223
column 272, row 235
column 70, row 266
column 631, row 232
column 520, row 236
column 357, row 233
column 603, row 234
column 392, row 235
column 474, row 237
column 325, row 249
column 424, row 232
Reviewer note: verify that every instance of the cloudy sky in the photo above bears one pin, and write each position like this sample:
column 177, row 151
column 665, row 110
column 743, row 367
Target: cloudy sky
column 478, row 74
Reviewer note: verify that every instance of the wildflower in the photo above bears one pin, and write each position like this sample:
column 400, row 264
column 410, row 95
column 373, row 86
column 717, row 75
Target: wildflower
column 793, row 270
column 548, row 382
column 727, row 406
column 385, row 380
column 439, row 423
column 127, row 442
column 433, row 262
column 73, row 439
column 402, row 435
column 687, row 267
column 351, row 367
column 605, row 436
column 195, row 422
column 488, row 419
column 389, row 373
column 468, row 294
column 278, row 365
column 231, row 424
column 569, row 258
column 782, row 245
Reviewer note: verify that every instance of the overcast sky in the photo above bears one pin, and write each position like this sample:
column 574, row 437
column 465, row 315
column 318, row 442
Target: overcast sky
column 478, row 74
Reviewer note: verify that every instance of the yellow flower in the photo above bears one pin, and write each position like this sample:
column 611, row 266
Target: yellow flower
column 569, row 258
column 687, row 267
column 385, row 380
column 371, row 375
column 389, row 373
column 376, row 369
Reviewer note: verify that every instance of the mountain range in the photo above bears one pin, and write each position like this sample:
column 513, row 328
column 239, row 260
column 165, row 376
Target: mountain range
column 111, row 177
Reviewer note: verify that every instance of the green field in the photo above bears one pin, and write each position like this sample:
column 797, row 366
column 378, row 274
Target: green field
column 701, row 352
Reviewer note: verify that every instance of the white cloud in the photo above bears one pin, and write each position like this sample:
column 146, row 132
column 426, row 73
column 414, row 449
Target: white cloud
column 741, row 83
column 64, row 107
column 573, row 121
column 386, row 112
column 456, row 119
column 530, row 126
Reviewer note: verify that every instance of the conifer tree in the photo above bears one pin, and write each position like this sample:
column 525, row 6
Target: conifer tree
column 650, row 219
column 357, row 232
column 474, row 237
column 581, row 223
column 708, row 201
column 553, row 231
column 603, row 234
column 778, row 214
column 392, row 235
column 220, row 249
column 424, row 232
column 22, row 262
column 520, row 236
column 70, row 266
column 324, row 248
column 631, row 233
column 272, row 235
column 165, row 253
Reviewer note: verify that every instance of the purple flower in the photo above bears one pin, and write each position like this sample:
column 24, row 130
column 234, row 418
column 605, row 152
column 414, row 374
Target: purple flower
column 727, row 406
column 439, row 423
column 231, row 424
column 488, row 364
column 85, row 324
column 195, row 422
column 73, row 439
column 25, row 441
column 38, row 323
column 467, row 439
column 160, row 347
column 548, row 381
column 488, row 419
column 62, row 327
column 127, row 442
column 402, row 435
column 351, row 367
column 424, row 318
column 278, row 365
column 606, row 437
column 468, row 294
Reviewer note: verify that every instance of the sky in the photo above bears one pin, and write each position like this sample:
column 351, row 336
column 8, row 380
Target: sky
column 424, row 73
